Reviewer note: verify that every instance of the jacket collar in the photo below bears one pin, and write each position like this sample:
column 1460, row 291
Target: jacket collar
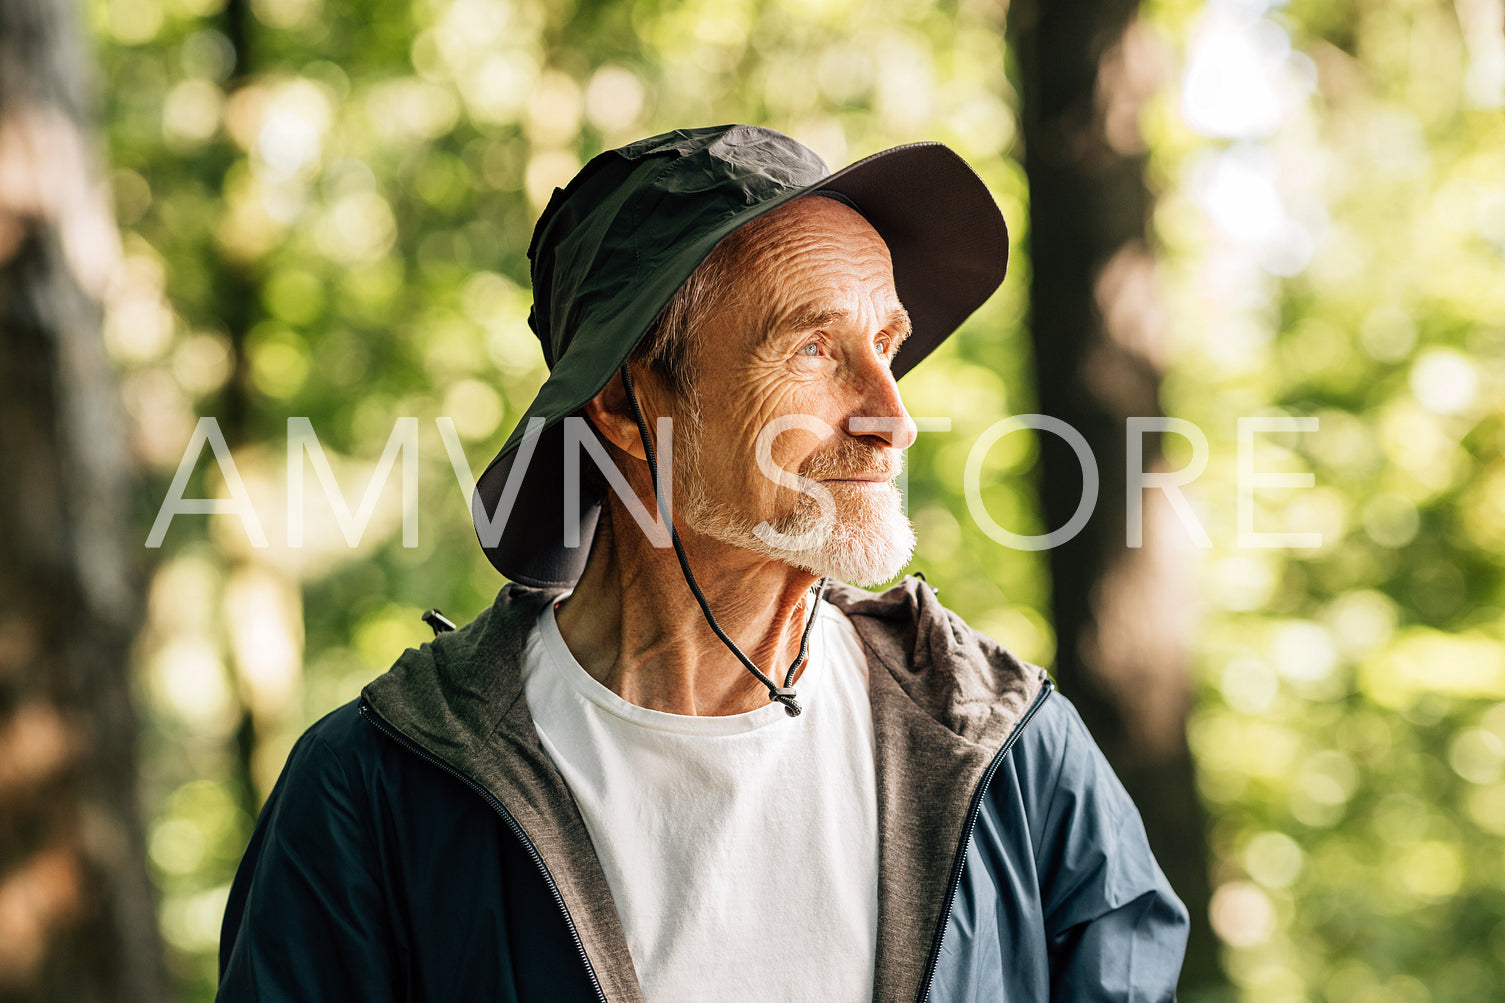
column 945, row 702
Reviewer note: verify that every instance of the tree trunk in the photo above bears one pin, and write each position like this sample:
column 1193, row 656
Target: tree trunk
column 237, row 312
column 1120, row 613
column 77, row 916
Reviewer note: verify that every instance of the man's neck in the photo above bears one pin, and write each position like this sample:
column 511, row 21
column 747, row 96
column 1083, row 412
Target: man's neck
column 634, row 625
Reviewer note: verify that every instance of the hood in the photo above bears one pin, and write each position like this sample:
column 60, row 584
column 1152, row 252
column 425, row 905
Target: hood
column 946, row 702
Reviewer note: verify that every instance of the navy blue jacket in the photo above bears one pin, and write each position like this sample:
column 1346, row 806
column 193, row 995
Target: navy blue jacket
column 385, row 866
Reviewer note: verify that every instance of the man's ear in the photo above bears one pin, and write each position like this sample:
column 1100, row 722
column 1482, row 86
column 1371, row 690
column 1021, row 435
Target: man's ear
column 610, row 412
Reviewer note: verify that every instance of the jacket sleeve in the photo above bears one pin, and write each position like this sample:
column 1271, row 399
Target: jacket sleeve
column 307, row 918
column 1115, row 929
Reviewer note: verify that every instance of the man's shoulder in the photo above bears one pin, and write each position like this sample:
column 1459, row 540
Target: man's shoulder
column 1062, row 779
column 340, row 730
column 347, row 764
column 1057, row 729
column 1056, row 745
column 331, row 752
column 461, row 680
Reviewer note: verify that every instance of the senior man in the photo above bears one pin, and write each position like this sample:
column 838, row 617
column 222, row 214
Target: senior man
column 677, row 759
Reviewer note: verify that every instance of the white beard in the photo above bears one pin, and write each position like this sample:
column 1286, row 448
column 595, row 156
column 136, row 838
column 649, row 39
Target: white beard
column 867, row 541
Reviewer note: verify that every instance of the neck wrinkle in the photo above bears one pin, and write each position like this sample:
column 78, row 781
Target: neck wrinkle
column 634, row 625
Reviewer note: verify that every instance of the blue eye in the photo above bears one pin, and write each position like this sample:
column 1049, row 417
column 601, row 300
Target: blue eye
column 811, row 349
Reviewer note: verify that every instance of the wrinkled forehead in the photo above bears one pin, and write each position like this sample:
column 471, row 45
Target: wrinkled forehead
column 811, row 257
column 819, row 225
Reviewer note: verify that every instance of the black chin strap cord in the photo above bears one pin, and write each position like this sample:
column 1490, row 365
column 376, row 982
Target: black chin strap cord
column 783, row 694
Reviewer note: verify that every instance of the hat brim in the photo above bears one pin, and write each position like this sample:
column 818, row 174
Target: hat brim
column 949, row 246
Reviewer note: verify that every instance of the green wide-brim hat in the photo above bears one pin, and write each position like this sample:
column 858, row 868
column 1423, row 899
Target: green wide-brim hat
column 613, row 246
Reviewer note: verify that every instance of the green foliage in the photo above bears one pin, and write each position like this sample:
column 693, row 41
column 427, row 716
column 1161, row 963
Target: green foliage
column 1349, row 738
column 326, row 205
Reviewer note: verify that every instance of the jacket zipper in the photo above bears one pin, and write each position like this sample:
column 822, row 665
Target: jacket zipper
column 961, row 853
column 370, row 714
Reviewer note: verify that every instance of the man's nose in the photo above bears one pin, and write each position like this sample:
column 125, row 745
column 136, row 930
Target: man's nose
column 883, row 414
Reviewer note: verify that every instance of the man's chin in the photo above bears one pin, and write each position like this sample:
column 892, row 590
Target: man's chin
column 868, row 550
column 856, row 568
column 869, row 542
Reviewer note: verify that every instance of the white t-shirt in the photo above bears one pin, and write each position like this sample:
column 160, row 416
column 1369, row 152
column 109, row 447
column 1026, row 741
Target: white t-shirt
column 741, row 851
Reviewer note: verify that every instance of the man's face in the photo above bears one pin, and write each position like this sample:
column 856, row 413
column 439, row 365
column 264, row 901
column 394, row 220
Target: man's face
column 803, row 342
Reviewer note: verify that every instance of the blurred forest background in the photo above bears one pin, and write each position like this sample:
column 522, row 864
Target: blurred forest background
column 1220, row 210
